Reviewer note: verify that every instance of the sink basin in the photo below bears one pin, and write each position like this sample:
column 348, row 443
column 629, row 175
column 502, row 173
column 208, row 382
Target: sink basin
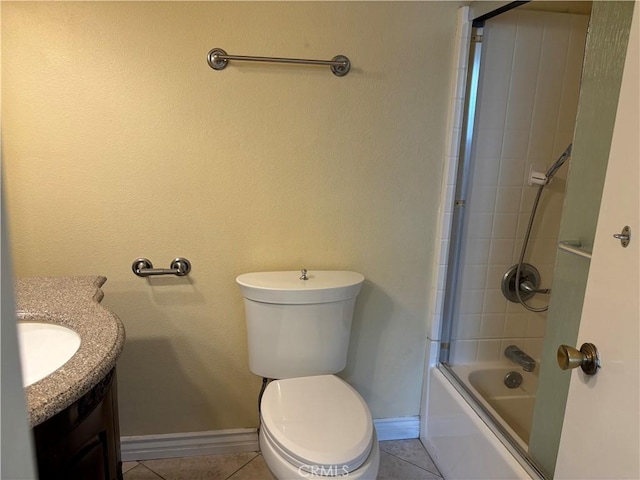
column 44, row 348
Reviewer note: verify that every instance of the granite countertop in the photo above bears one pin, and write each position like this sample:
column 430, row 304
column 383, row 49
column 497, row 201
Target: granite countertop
column 73, row 302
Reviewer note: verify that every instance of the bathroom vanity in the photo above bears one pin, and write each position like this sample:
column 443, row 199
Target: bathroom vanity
column 73, row 411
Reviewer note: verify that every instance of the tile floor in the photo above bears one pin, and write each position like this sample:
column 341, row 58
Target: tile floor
column 399, row 460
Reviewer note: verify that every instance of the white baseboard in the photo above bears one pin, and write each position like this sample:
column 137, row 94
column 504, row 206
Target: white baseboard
column 171, row 445
column 397, row 428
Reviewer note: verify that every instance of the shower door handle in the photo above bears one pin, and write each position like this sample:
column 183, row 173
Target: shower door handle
column 586, row 358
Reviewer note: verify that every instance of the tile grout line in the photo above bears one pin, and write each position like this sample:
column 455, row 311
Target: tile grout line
column 257, row 454
column 130, row 468
column 152, row 470
column 411, row 463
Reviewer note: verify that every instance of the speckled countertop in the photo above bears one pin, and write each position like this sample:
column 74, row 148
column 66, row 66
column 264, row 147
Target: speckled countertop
column 73, row 302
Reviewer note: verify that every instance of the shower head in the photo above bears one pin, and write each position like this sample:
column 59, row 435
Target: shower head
column 558, row 163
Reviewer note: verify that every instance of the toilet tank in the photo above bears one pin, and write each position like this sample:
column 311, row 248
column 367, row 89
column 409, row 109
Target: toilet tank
column 298, row 327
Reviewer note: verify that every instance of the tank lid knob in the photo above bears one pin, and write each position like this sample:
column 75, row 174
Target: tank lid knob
column 304, row 274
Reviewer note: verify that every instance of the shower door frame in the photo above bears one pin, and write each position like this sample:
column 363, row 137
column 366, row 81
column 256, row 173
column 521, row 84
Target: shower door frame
column 462, row 185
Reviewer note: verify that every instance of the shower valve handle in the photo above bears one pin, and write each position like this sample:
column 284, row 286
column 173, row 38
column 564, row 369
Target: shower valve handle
column 527, row 286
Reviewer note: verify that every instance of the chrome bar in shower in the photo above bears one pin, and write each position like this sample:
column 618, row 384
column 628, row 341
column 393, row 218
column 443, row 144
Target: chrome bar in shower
column 574, row 247
column 218, row 60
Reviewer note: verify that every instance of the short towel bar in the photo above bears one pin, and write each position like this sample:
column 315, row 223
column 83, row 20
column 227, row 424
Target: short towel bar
column 143, row 267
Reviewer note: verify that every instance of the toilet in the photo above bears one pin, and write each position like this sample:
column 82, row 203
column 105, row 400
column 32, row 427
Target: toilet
column 313, row 424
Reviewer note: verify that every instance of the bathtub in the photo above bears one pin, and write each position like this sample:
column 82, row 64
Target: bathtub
column 464, row 441
column 512, row 408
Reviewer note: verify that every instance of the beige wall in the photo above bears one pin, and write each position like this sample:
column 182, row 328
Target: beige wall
column 119, row 142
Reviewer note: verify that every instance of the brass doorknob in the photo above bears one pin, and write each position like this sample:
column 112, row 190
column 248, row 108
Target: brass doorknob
column 586, row 358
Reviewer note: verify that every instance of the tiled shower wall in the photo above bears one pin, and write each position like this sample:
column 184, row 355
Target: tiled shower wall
column 527, row 103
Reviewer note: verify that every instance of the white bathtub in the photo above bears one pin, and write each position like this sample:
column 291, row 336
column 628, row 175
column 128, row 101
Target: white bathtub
column 511, row 407
column 463, row 441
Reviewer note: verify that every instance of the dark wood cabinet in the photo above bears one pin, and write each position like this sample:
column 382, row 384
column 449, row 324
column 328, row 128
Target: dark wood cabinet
column 83, row 441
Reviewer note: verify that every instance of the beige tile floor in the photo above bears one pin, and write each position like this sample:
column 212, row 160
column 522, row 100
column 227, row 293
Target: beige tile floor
column 399, row 460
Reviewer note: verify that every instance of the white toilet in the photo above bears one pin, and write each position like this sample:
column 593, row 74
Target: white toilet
column 313, row 424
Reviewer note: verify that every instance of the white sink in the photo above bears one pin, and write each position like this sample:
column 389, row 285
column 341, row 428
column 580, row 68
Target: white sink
column 44, row 348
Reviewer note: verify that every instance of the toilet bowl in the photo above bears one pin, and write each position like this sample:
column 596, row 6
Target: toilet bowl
column 315, row 427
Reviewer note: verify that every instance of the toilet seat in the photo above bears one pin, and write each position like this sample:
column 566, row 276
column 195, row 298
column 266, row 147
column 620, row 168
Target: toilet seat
column 317, row 423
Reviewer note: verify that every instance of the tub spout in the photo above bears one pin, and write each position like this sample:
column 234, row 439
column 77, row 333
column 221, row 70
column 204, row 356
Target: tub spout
column 513, row 353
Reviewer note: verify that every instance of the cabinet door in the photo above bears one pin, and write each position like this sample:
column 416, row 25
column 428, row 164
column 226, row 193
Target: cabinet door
column 83, row 441
column 90, row 461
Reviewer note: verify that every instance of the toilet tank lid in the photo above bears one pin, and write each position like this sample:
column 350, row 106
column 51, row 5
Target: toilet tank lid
column 286, row 287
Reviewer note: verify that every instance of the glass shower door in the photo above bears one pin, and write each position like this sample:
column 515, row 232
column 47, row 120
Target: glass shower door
column 509, row 136
column 528, row 84
column 603, row 67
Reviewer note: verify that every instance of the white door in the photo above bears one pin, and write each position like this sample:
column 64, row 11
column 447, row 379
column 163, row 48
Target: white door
column 601, row 431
